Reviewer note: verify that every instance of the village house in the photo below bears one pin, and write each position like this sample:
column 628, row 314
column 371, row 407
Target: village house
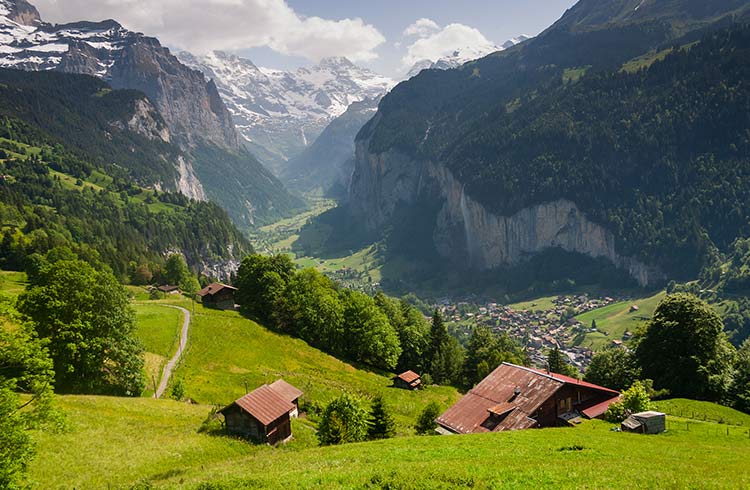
column 408, row 380
column 516, row 397
column 218, row 295
column 264, row 414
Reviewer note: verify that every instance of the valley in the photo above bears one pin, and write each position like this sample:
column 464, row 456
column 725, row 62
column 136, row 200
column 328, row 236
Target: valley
column 290, row 244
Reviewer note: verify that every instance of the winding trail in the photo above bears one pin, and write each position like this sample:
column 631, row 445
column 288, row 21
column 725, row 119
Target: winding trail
column 167, row 372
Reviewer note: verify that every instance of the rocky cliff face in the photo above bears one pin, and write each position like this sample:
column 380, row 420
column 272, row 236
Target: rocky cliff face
column 465, row 230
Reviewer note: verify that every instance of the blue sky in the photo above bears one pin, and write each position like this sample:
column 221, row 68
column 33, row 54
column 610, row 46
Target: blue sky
column 289, row 33
column 498, row 20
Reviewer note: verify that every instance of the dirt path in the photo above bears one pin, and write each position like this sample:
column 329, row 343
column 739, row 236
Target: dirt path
column 167, row 372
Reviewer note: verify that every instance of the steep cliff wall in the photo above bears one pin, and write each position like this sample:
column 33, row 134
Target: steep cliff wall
column 466, row 231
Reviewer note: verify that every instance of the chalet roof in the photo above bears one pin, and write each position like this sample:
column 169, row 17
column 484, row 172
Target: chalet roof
column 214, row 288
column 285, row 390
column 512, row 394
column 408, row 376
column 167, row 288
column 263, row 403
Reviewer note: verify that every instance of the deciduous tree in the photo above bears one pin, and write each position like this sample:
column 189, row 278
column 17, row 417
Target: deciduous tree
column 85, row 317
column 684, row 349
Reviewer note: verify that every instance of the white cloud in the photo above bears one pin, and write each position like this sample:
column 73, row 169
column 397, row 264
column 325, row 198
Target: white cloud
column 444, row 42
column 204, row 25
column 422, row 28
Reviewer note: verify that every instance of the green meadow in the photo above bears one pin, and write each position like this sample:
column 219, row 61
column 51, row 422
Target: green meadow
column 146, row 443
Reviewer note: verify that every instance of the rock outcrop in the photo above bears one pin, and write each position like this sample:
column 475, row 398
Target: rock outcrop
column 465, row 230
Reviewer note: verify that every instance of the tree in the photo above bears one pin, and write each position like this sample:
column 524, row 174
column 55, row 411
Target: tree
column 426, row 421
column 86, row 318
column 684, row 349
column 445, row 355
column 25, row 367
column 486, row 351
column 343, row 420
column 261, row 282
column 176, row 270
column 310, row 308
column 382, row 425
column 557, row 363
column 369, row 336
column 634, row 400
column 614, row 368
column 740, row 392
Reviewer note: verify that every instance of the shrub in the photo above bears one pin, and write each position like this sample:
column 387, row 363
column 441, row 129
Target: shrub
column 635, row 399
column 343, row 420
column 426, row 422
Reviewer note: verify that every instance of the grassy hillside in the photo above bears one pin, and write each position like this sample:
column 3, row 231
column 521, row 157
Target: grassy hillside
column 155, row 442
column 706, row 411
column 614, row 320
column 158, row 328
column 227, row 351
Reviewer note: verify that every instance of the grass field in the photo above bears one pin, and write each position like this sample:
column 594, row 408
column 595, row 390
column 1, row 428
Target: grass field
column 226, row 351
column 614, row 320
column 539, row 304
column 12, row 283
column 116, row 443
column 706, row 411
column 158, row 328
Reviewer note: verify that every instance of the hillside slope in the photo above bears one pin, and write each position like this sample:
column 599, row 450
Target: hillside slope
column 156, row 443
column 548, row 144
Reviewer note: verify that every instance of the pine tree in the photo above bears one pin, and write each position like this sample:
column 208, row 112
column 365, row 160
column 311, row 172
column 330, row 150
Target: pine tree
column 382, row 425
column 556, row 363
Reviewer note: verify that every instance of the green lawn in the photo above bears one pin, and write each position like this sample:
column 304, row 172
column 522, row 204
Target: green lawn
column 115, row 443
column 227, row 351
column 614, row 320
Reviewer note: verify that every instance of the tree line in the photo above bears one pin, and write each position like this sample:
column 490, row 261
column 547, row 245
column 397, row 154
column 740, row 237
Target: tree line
column 381, row 332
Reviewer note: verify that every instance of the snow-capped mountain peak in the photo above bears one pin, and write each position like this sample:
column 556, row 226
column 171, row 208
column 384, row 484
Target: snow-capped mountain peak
column 284, row 111
column 462, row 55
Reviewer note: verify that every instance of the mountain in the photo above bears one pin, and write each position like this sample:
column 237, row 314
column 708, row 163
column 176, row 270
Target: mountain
column 281, row 113
column 73, row 152
column 612, row 135
column 326, row 166
column 189, row 105
column 462, row 55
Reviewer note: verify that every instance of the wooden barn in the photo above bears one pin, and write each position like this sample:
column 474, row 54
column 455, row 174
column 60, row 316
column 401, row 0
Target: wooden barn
column 408, row 380
column 262, row 415
column 218, row 295
column 288, row 393
column 516, row 397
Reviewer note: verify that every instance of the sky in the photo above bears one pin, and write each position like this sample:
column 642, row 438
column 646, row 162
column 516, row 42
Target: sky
column 388, row 36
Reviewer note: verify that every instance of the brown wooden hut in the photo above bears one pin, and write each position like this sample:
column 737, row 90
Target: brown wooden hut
column 262, row 415
column 218, row 295
column 408, row 380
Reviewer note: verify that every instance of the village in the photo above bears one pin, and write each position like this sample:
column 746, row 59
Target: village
column 537, row 329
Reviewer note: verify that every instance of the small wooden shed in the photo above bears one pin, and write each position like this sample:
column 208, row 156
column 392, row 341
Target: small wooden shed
column 645, row 423
column 218, row 295
column 262, row 415
column 408, row 380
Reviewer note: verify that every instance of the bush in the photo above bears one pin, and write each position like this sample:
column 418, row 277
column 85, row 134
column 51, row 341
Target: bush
column 178, row 390
column 635, row 399
column 426, row 422
column 344, row 420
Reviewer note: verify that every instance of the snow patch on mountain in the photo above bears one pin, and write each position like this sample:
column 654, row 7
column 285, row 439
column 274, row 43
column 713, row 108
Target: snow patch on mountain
column 284, row 111
column 462, row 55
